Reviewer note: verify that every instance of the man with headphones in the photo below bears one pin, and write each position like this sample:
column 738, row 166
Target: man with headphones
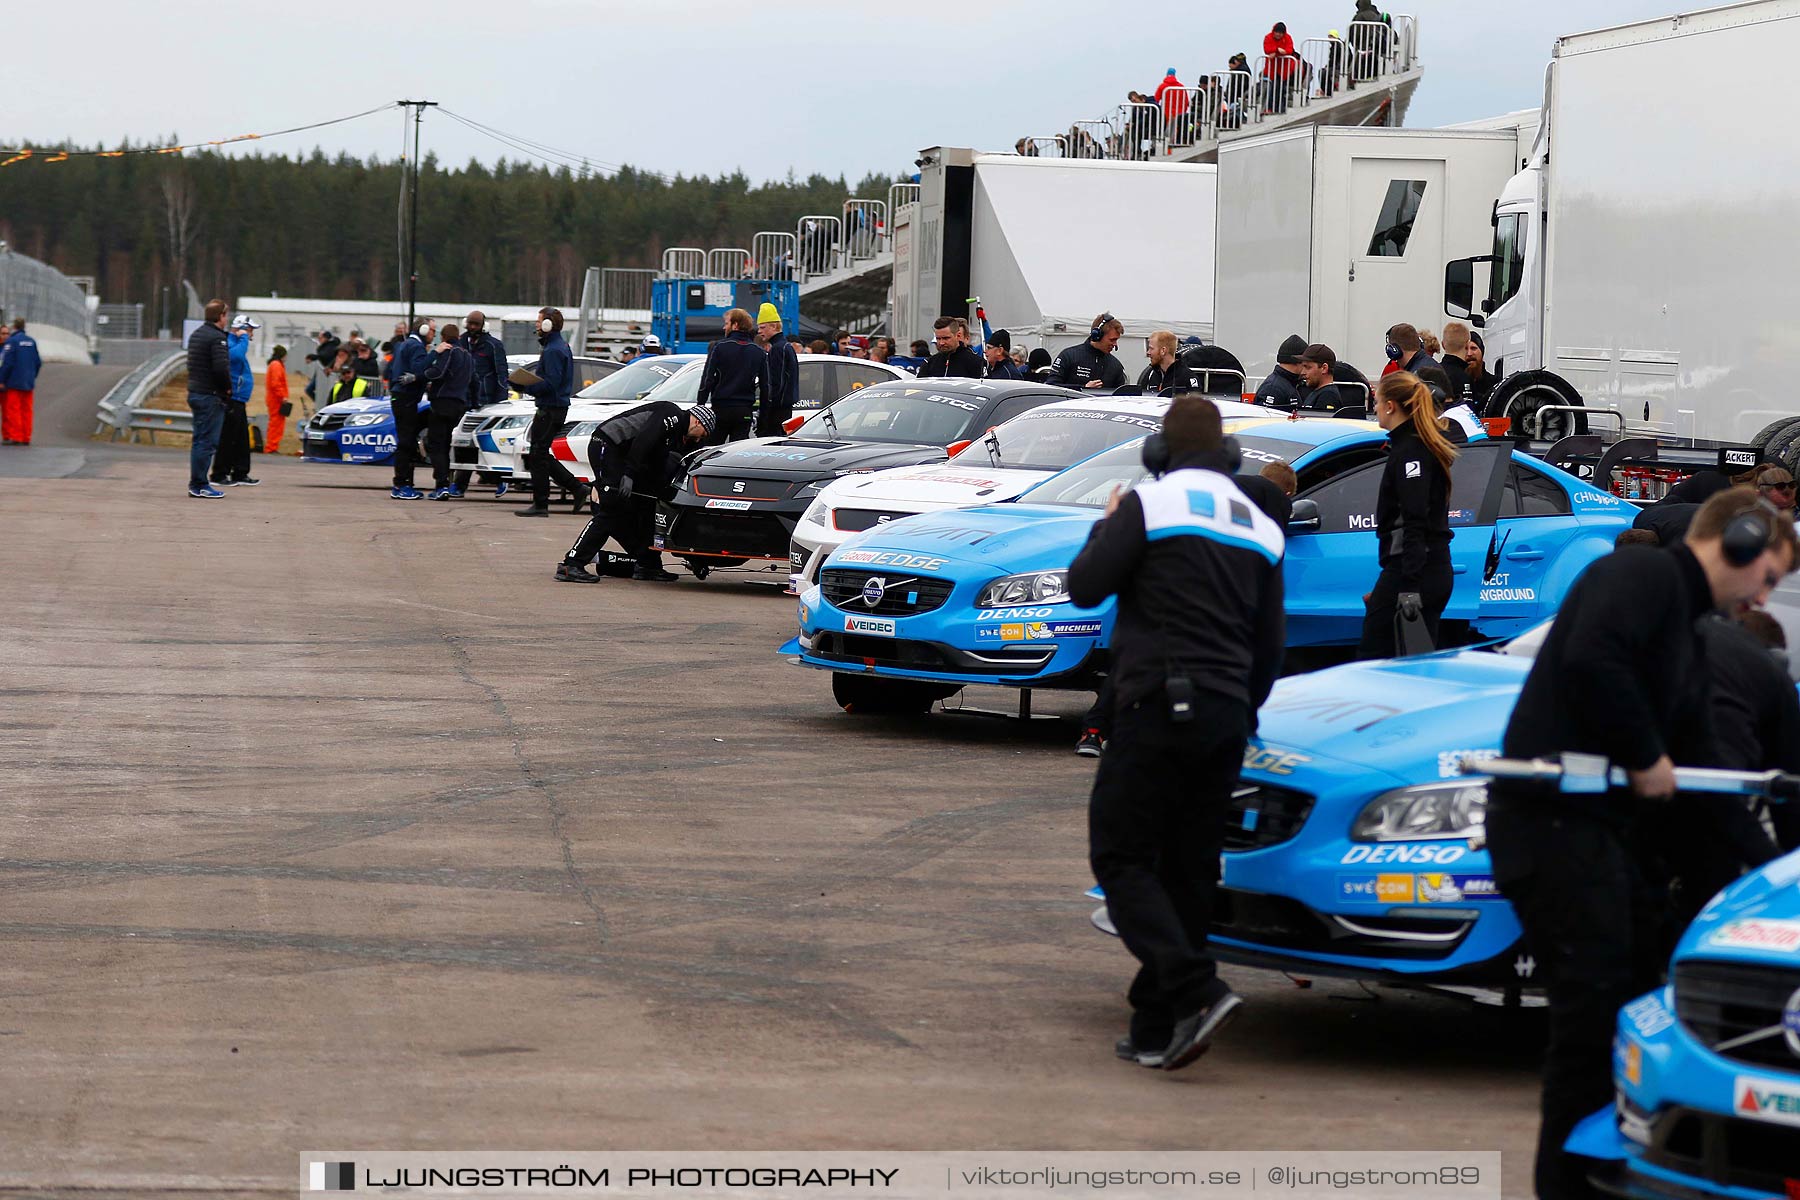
column 1196, row 567
column 1623, row 676
column 1091, row 364
column 554, row 386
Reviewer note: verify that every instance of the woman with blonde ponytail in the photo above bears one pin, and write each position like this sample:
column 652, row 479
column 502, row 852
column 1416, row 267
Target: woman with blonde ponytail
column 1412, row 513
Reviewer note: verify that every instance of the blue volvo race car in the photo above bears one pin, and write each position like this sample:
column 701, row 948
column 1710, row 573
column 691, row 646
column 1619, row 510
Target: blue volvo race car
column 1707, row 1068
column 912, row 611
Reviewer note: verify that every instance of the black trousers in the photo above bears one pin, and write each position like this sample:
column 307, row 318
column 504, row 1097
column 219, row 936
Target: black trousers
column 445, row 416
column 631, row 522
column 232, row 459
column 1596, row 930
column 1155, row 822
column 769, row 419
column 406, row 438
column 733, row 426
column 544, row 468
column 1100, row 715
column 1382, row 607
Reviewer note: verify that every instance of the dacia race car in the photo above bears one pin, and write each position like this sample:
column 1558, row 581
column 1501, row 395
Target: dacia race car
column 741, row 502
column 995, row 467
column 912, row 611
column 362, row 431
column 820, row 376
column 487, row 441
column 1707, row 1068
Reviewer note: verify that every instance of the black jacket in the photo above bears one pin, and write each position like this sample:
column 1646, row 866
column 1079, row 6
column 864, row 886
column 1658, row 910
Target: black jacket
column 639, row 444
column 736, row 373
column 1412, row 510
column 449, row 374
column 1669, row 522
column 1282, row 388
column 1083, row 363
column 1623, row 673
column 1697, row 488
column 487, row 384
column 1197, row 570
column 960, row 363
column 1006, row 368
column 1457, row 372
column 209, row 362
column 784, row 375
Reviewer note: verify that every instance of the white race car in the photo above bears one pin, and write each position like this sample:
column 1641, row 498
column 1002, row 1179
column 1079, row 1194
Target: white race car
column 1010, row 459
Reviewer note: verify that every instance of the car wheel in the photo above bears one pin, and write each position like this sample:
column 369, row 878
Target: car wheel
column 1767, row 433
column 1519, row 397
column 866, row 695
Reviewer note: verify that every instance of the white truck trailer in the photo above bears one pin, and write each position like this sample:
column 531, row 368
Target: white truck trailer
column 1336, row 234
column 1643, row 259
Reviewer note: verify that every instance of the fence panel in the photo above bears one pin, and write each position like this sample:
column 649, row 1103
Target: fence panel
column 819, row 236
column 774, row 253
column 683, row 262
column 727, row 262
column 624, row 292
column 865, row 229
column 1140, row 131
column 1092, row 140
column 1372, row 49
column 902, row 193
column 41, row 294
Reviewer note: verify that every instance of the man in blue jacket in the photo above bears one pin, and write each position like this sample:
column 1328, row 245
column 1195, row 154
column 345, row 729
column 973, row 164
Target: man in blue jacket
column 19, row 363
column 450, row 375
column 488, row 384
column 231, row 464
column 784, row 374
column 412, row 355
column 554, row 387
column 736, row 374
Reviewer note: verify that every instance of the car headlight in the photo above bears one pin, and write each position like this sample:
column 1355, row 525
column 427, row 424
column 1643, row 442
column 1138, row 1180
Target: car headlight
column 1457, row 809
column 374, row 418
column 816, row 513
column 1038, row 587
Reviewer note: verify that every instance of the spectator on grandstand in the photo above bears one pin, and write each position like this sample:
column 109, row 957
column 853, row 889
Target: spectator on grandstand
column 1336, row 58
column 1177, row 117
column 1367, row 43
column 1234, row 92
column 1025, row 148
column 1280, row 67
column 1141, row 119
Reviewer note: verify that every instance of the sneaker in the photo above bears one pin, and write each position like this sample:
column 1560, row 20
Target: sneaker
column 572, row 574
column 500, row 489
column 1128, row 1050
column 582, row 495
column 456, row 493
column 206, row 493
column 246, row 481
column 532, row 511
column 654, row 575
column 442, row 493
column 1091, row 744
column 1193, row 1035
column 406, row 493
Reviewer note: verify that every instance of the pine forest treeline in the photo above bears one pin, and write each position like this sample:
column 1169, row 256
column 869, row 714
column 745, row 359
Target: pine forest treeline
column 329, row 227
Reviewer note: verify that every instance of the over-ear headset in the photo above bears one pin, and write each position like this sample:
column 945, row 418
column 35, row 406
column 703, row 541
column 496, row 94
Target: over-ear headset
column 546, row 325
column 1156, row 456
column 1100, row 324
column 1393, row 352
column 1747, row 535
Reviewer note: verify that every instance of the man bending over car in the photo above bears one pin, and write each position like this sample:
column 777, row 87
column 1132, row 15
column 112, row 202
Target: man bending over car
column 635, row 455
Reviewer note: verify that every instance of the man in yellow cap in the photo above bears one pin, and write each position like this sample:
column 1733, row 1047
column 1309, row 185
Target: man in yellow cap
column 784, row 374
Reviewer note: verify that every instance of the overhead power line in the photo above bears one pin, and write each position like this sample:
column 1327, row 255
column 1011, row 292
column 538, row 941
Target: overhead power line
column 22, row 153
column 543, row 152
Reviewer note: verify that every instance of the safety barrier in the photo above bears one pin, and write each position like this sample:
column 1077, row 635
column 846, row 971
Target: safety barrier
column 683, row 262
column 1190, row 116
column 1090, row 139
column 865, row 230
column 819, row 236
column 774, row 252
column 624, row 290
column 727, row 262
column 121, row 409
column 40, row 293
column 1139, row 131
column 1372, row 47
column 901, row 194
column 1052, row 145
column 1237, row 100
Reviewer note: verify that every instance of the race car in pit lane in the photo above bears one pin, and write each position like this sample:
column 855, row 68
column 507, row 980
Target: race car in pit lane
column 487, row 440
column 821, row 375
column 1707, row 1068
column 362, row 431
column 993, row 468
column 740, row 502
column 912, row 611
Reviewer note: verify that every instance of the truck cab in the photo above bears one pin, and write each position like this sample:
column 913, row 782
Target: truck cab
column 1510, row 313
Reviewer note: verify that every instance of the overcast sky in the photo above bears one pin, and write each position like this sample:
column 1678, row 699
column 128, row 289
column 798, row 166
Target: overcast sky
column 697, row 87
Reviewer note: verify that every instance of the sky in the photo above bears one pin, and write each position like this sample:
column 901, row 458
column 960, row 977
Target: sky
column 682, row 86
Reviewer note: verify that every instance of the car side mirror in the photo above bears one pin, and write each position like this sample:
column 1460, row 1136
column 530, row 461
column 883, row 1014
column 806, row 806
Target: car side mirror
column 792, row 423
column 956, row 448
column 1305, row 517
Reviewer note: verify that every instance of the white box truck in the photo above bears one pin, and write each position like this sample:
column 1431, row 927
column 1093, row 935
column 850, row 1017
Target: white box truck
column 1336, row 234
column 1643, row 260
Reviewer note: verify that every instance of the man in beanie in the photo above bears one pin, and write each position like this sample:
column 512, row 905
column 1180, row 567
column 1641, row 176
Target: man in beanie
column 636, row 457
column 784, row 374
column 1284, row 385
column 999, row 357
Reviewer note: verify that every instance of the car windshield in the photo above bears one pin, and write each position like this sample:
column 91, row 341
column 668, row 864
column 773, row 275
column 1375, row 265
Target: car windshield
column 681, row 388
column 1264, row 450
column 630, row 380
column 883, row 414
column 1088, row 484
column 1044, row 440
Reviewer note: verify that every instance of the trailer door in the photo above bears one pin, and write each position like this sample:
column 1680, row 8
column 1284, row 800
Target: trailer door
column 1396, row 223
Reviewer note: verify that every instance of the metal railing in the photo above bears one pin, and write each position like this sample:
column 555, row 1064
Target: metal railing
column 727, row 262
column 1191, row 120
column 623, row 291
column 1237, row 100
column 1052, row 145
column 819, row 237
column 775, row 253
column 1406, row 48
column 1140, row 131
column 41, row 294
column 1282, row 80
column 1327, row 67
column 1091, row 139
column 901, row 194
column 683, row 262
column 1372, row 49
column 119, row 321
column 122, row 408
column 865, row 230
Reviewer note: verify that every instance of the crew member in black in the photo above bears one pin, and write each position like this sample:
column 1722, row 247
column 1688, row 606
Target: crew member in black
column 735, row 377
column 1622, row 674
column 634, row 455
column 1406, row 347
column 1159, row 352
column 448, row 381
column 411, row 356
column 1091, row 364
column 784, row 374
column 1284, row 386
column 954, row 358
column 998, row 356
column 1196, row 568
column 1412, row 514
column 1455, row 360
column 1318, row 368
column 552, row 391
column 487, row 384
column 1478, row 382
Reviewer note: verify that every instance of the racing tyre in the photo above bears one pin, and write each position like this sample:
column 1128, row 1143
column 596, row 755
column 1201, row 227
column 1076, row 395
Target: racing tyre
column 864, row 695
column 1520, row 395
column 1778, row 447
column 1791, row 460
column 1767, row 433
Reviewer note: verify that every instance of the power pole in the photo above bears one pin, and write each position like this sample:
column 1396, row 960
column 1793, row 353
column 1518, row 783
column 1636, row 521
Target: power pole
column 412, row 222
